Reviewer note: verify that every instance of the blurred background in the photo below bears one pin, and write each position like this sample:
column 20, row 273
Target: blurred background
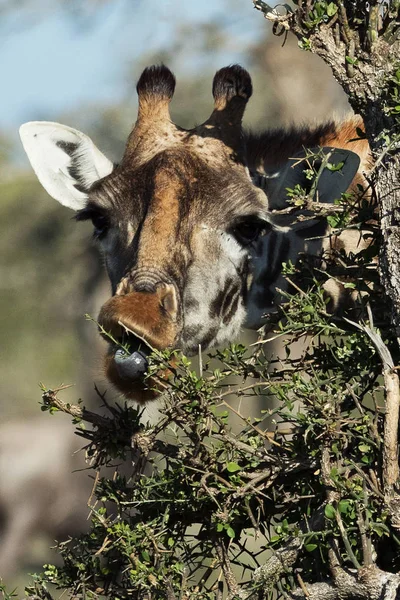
column 77, row 62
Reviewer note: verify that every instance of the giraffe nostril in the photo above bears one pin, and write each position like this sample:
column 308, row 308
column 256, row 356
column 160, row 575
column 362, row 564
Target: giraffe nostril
column 168, row 299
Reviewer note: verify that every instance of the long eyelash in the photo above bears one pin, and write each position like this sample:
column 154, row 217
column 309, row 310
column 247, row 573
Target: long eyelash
column 85, row 214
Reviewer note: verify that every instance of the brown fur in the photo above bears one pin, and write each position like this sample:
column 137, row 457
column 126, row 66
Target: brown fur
column 146, row 314
column 273, row 148
column 160, row 230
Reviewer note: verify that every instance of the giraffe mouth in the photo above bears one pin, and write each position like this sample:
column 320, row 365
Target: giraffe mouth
column 131, row 357
column 126, row 367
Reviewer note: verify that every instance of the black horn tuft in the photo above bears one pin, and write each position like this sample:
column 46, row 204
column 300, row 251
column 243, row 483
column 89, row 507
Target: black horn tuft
column 231, row 82
column 157, row 81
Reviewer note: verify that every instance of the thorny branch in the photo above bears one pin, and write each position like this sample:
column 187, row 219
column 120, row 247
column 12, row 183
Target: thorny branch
column 391, row 426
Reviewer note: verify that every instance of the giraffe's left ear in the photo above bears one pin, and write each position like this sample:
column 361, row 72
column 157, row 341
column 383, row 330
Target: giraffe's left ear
column 65, row 161
column 326, row 186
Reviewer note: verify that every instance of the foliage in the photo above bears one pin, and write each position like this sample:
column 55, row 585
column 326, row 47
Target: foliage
column 203, row 504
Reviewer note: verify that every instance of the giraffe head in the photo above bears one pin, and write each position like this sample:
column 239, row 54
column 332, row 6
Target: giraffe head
column 179, row 221
column 174, row 219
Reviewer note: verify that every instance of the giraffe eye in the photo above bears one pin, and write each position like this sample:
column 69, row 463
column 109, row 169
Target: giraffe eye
column 100, row 221
column 100, row 224
column 249, row 230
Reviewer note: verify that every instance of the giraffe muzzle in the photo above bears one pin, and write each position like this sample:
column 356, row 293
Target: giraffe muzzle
column 134, row 324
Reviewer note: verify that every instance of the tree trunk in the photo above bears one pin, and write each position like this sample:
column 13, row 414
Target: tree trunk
column 388, row 189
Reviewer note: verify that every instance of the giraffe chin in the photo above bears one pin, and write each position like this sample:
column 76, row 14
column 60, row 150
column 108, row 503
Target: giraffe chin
column 131, row 382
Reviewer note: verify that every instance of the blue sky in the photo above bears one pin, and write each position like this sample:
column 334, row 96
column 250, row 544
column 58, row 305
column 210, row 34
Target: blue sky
column 50, row 64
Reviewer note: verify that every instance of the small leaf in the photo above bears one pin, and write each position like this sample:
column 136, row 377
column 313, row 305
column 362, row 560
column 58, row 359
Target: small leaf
column 332, row 167
column 309, row 309
column 230, row 532
column 330, row 512
column 331, row 9
column 364, row 448
column 343, row 506
column 232, row 467
column 310, row 547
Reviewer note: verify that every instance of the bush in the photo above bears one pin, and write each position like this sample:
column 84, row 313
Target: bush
column 298, row 499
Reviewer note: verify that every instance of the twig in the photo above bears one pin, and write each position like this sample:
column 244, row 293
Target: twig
column 346, row 542
column 51, row 399
column 200, row 362
column 231, row 583
column 265, row 434
column 391, row 425
column 363, row 524
column 302, row 585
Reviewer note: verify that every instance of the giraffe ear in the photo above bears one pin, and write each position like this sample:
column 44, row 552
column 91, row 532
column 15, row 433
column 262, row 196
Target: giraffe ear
column 65, row 161
column 333, row 180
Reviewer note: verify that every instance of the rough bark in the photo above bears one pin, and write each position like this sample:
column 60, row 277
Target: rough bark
column 368, row 583
column 388, row 188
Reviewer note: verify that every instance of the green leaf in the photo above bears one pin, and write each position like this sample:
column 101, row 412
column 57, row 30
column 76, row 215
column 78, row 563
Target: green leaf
column 232, row 467
column 380, row 529
column 220, row 527
column 145, row 556
column 330, row 512
column 331, row 9
column 364, row 448
column 309, row 309
column 230, row 532
column 332, row 167
column 310, row 547
column 343, row 506
column 333, row 220
column 334, row 473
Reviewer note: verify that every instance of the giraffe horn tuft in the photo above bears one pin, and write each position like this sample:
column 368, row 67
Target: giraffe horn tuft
column 231, row 89
column 155, row 89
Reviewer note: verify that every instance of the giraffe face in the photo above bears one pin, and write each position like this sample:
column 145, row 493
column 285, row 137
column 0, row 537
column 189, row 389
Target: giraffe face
column 177, row 236
column 176, row 220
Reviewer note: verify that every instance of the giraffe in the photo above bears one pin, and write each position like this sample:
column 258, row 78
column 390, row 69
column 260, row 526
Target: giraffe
column 190, row 240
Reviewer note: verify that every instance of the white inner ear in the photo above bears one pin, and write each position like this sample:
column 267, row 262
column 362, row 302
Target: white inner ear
column 65, row 161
